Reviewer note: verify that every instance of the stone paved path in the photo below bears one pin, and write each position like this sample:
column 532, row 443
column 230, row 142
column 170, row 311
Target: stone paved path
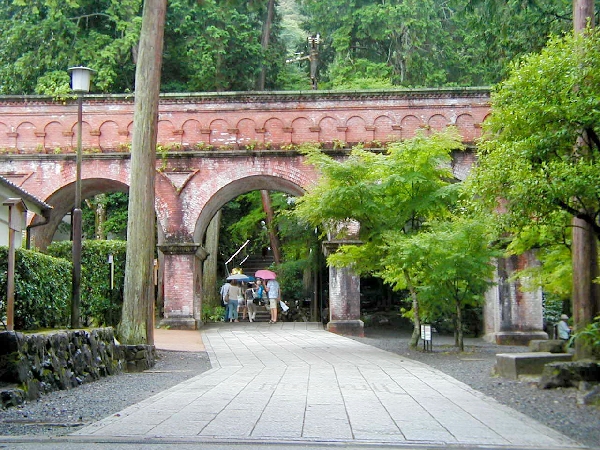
column 296, row 382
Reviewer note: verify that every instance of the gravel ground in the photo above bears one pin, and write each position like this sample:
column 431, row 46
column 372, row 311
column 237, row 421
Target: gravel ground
column 62, row 412
column 556, row 408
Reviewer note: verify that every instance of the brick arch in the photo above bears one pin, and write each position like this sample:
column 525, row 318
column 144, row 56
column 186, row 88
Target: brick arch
column 465, row 123
column 328, row 129
column 238, row 187
column 301, row 131
column 220, row 133
column 437, row 122
column 87, row 140
column 167, row 134
column 356, row 130
column 54, row 138
column 62, row 202
column 383, row 129
column 410, row 125
column 109, row 138
column 192, row 133
column 5, row 139
column 247, row 131
column 274, row 132
column 27, row 141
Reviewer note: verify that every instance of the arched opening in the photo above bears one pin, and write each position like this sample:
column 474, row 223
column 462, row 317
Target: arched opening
column 301, row 273
column 58, row 225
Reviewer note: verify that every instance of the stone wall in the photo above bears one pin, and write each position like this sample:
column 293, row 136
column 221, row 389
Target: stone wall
column 34, row 364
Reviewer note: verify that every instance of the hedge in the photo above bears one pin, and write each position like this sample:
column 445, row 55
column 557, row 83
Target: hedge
column 100, row 305
column 42, row 289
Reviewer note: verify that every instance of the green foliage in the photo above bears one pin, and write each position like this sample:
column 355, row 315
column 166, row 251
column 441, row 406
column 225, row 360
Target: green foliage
column 290, row 276
column 100, row 34
column 209, row 46
column 390, row 195
column 383, row 192
column 100, row 305
column 42, row 290
column 450, row 263
column 528, row 156
column 428, row 42
column 553, row 308
column 113, row 221
column 212, row 313
column 590, row 336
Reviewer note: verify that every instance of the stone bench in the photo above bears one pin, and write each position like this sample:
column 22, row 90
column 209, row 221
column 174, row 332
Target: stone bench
column 514, row 365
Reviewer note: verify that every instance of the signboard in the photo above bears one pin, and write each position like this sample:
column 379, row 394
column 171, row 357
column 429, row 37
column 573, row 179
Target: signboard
column 426, row 337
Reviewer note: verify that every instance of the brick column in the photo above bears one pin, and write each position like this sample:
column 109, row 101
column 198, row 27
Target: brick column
column 512, row 315
column 182, row 293
column 344, row 295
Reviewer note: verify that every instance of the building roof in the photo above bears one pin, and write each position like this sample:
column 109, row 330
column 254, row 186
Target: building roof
column 28, row 198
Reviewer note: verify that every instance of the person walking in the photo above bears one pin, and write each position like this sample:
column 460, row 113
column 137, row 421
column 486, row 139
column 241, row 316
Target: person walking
column 274, row 294
column 235, row 293
column 225, row 299
column 250, row 296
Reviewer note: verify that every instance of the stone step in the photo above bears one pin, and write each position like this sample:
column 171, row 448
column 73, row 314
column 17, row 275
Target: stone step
column 514, row 365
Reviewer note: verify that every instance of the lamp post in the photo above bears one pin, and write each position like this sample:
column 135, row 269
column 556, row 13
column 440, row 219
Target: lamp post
column 80, row 84
column 313, row 45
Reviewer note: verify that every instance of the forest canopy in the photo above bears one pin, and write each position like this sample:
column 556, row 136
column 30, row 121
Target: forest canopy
column 217, row 45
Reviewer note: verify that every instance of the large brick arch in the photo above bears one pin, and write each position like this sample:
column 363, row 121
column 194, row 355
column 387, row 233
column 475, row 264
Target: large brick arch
column 238, row 187
column 62, row 202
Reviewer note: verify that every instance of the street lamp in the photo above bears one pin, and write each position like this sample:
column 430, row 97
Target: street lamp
column 80, row 84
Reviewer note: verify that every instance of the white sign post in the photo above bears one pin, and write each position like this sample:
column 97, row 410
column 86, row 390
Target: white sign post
column 426, row 337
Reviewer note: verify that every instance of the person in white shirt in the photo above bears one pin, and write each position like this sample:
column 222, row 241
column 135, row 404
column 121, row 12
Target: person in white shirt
column 563, row 328
column 234, row 294
column 224, row 298
column 274, row 293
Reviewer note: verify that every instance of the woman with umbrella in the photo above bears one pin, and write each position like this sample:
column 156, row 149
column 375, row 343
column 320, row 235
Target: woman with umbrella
column 273, row 291
column 235, row 295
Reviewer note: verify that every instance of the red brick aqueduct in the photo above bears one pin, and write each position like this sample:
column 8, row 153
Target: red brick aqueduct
column 216, row 146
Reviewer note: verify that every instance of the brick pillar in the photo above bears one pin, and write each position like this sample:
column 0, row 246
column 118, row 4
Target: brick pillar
column 344, row 296
column 511, row 314
column 182, row 293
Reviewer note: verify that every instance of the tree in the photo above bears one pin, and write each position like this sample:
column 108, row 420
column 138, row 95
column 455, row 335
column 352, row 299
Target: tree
column 452, row 262
column 100, row 34
column 396, row 191
column 138, row 298
column 540, row 154
column 586, row 293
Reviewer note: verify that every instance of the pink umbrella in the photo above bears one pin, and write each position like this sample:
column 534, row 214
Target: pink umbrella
column 265, row 274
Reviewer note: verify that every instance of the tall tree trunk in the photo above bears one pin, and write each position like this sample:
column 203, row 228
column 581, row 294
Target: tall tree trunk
column 209, row 273
column 459, row 328
column 586, row 293
column 266, row 36
column 136, row 325
column 416, row 334
column 100, row 216
column 273, row 238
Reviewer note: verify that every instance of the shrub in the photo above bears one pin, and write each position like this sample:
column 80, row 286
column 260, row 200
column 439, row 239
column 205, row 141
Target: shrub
column 590, row 336
column 100, row 305
column 42, row 289
column 212, row 313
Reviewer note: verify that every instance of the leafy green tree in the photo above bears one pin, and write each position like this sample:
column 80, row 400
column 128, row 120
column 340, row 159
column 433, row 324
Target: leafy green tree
column 538, row 163
column 403, row 42
column 452, row 262
column 42, row 38
column 496, row 32
column 396, row 191
column 212, row 45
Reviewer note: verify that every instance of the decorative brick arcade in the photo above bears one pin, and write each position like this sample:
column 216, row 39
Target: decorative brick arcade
column 212, row 148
